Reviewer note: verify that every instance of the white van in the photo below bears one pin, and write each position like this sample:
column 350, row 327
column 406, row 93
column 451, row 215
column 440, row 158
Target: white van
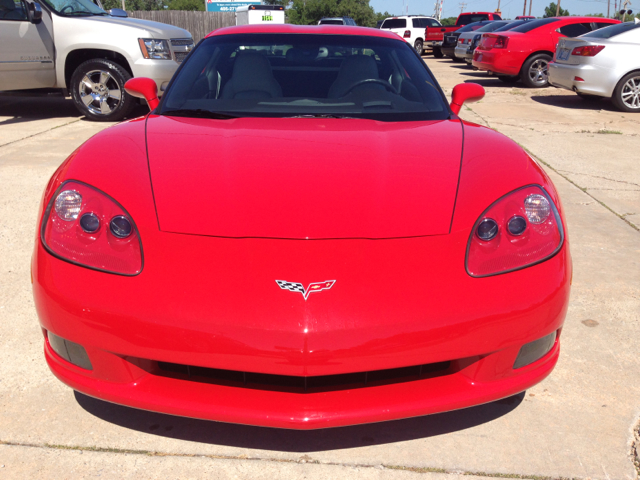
column 263, row 14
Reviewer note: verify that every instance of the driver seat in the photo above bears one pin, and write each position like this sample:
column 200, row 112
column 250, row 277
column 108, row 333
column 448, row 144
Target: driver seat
column 8, row 11
column 354, row 69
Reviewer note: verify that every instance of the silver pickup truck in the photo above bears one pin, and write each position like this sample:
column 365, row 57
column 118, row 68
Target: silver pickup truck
column 89, row 54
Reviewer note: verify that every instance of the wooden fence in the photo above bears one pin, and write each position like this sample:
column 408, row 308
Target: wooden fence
column 199, row 24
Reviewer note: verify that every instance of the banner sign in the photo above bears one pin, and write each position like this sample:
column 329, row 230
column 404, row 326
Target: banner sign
column 224, row 6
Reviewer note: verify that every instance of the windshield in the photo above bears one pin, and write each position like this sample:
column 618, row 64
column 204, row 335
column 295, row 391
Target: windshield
column 289, row 75
column 612, row 31
column 530, row 25
column 332, row 22
column 490, row 27
column 74, row 7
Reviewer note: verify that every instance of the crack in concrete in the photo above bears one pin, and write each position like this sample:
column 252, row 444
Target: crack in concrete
column 303, row 460
column 40, row 133
column 602, row 178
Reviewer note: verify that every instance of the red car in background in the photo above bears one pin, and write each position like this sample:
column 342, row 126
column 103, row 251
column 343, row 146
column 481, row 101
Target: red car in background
column 434, row 36
column 525, row 52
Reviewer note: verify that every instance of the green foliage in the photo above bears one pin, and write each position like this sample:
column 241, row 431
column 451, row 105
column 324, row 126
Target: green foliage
column 309, row 12
column 284, row 3
column 599, row 15
column 627, row 18
column 382, row 16
column 191, row 5
column 449, row 21
column 550, row 11
column 131, row 5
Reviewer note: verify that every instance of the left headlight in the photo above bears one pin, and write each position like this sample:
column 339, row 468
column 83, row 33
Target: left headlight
column 155, row 49
column 86, row 227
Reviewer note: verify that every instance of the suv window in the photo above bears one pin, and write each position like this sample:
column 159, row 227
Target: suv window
column 575, row 29
column 394, row 23
column 609, row 30
column 12, row 10
column 419, row 22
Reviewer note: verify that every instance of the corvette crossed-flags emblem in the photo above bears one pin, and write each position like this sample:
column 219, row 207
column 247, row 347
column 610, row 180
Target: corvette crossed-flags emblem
column 298, row 287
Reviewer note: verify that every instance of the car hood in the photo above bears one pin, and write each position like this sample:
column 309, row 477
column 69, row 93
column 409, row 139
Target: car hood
column 304, row 178
column 155, row 29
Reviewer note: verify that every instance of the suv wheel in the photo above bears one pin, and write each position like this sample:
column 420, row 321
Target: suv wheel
column 535, row 71
column 97, row 90
column 626, row 96
column 437, row 52
column 418, row 47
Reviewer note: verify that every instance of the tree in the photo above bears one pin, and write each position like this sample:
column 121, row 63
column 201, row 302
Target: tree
column 132, row 5
column 309, row 12
column 284, row 3
column 191, row 5
column 447, row 22
column 382, row 16
column 550, row 11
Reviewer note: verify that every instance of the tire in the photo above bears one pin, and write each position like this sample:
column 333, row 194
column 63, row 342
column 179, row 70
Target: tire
column 509, row 78
column 437, row 52
column 626, row 96
column 535, row 71
column 97, row 90
column 419, row 47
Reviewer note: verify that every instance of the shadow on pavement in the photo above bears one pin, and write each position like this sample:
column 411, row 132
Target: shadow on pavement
column 491, row 82
column 573, row 101
column 263, row 438
column 26, row 109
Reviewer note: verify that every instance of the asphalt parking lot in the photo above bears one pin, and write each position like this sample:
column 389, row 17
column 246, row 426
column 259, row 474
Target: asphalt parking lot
column 578, row 423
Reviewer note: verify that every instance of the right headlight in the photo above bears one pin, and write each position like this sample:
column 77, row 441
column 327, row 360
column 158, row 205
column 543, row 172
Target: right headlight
column 155, row 49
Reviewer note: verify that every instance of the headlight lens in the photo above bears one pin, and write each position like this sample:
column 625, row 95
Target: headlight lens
column 155, row 49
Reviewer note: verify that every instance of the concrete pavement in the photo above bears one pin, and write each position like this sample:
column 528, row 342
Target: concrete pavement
column 577, row 423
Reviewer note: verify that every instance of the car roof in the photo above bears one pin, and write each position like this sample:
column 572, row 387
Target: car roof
column 305, row 29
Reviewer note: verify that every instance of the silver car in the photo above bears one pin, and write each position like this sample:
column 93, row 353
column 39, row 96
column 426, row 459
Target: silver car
column 602, row 63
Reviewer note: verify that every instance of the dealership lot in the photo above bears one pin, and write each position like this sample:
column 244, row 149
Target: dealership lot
column 577, row 423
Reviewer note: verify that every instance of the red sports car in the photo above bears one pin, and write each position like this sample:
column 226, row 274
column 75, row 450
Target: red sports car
column 525, row 52
column 301, row 234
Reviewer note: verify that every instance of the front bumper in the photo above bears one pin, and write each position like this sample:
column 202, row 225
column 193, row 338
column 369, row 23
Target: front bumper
column 596, row 80
column 449, row 50
column 214, row 303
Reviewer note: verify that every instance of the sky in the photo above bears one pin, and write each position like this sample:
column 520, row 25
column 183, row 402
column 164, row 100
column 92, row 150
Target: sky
column 509, row 8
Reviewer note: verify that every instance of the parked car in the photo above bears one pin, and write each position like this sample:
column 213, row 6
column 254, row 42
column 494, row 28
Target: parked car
column 525, row 51
column 451, row 40
column 525, row 17
column 411, row 28
column 434, row 35
column 603, row 63
column 337, row 21
column 292, row 267
column 87, row 53
column 466, row 39
column 471, row 40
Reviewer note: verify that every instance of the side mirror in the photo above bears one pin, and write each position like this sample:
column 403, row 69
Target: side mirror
column 34, row 12
column 118, row 12
column 465, row 92
column 146, row 88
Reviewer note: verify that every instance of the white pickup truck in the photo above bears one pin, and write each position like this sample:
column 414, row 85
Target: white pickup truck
column 89, row 54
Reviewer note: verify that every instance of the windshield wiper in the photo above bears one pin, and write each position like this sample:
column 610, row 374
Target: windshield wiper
column 320, row 115
column 199, row 113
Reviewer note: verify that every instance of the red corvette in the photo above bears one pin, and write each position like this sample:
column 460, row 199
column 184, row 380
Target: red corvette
column 524, row 52
column 301, row 234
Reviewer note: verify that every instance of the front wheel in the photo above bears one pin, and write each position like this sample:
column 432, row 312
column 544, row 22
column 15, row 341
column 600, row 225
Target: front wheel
column 626, row 96
column 437, row 52
column 418, row 46
column 97, row 90
column 535, row 71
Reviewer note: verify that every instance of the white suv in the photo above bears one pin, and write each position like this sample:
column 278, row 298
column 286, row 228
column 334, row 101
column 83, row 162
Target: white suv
column 411, row 28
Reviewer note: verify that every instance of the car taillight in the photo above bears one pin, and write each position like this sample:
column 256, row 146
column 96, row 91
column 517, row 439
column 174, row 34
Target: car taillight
column 587, row 50
column 85, row 226
column 501, row 42
column 521, row 229
column 407, row 34
column 461, row 40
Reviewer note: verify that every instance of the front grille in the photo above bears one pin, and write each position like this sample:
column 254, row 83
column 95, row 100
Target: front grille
column 180, row 56
column 295, row 384
column 181, row 42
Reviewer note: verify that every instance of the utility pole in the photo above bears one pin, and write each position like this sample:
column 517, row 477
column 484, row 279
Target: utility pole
column 462, row 5
column 608, row 8
column 498, row 9
column 123, row 6
column 524, row 9
column 558, row 8
column 530, row 5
